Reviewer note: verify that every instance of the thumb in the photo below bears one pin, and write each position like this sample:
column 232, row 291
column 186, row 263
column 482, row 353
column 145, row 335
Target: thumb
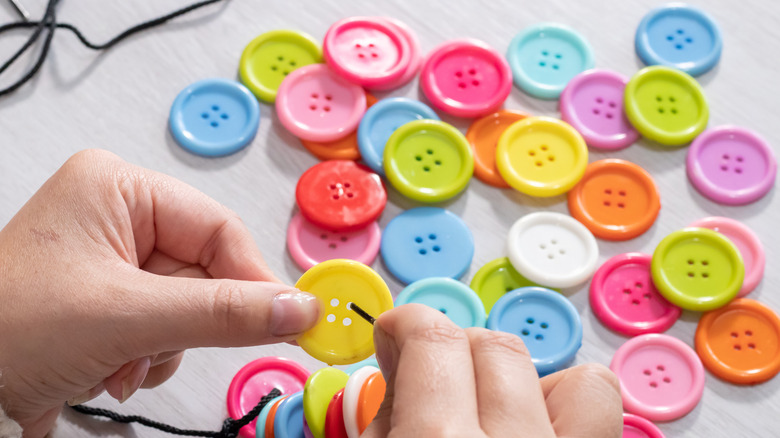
column 387, row 354
column 171, row 314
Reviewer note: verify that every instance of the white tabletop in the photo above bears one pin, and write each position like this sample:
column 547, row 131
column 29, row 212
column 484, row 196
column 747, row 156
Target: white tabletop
column 120, row 100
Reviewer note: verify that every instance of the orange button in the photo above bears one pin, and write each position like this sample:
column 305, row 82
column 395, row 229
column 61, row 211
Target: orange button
column 371, row 396
column 740, row 343
column 342, row 149
column 615, row 199
column 483, row 135
column 269, row 422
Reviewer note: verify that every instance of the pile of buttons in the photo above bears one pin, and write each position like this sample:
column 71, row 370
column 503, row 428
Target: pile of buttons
column 320, row 96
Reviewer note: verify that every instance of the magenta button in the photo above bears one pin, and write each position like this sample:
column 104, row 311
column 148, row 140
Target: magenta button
column 635, row 426
column 309, row 244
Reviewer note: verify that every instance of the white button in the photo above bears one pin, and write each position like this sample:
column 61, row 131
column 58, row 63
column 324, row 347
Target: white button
column 552, row 249
column 351, row 397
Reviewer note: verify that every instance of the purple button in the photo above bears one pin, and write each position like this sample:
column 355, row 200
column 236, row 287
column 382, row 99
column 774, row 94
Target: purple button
column 731, row 165
column 592, row 103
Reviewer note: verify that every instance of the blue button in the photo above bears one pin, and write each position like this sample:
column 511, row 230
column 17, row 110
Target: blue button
column 427, row 242
column 370, row 362
column 450, row 297
column 547, row 322
column 545, row 57
column 381, row 120
column 288, row 422
column 679, row 36
column 263, row 417
column 214, row 117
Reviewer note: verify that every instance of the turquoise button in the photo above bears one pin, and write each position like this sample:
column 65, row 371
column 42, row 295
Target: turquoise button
column 288, row 422
column 263, row 417
column 370, row 362
column 450, row 297
column 545, row 57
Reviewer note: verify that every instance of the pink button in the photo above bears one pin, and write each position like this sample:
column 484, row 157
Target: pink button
column 315, row 104
column 731, row 165
column 624, row 298
column 635, row 426
column 592, row 103
column 748, row 244
column 367, row 51
column 466, row 78
column 309, row 244
column 415, row 51
column 661, row 378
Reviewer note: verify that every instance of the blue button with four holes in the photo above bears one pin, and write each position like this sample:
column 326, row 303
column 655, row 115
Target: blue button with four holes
column 680, row 36
column 450, row 297
column 427, row 242
column 547, row 322
column 288, row 422
column 214, row 117
column 545, row 57
column 381, row 120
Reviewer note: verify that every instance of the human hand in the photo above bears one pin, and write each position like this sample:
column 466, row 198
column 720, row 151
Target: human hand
column 110, row 271
column 443, row 381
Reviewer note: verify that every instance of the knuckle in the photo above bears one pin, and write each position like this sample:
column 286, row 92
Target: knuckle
column 600, row 375
column 230, row 306
column 500, row 342
column 440, row 333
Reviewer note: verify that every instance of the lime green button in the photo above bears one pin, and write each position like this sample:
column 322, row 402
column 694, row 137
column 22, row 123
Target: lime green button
column 270, row 57
column 495, row 279
column 428, row 160
column 697, row 269
column 320, row 388
column 666, row 105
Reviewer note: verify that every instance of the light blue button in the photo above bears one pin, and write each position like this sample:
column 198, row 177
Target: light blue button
column 450, row 297
column 288, row 422
column 263, row 417
column 680, row 36
column 214, row 117
column 545, row 57
column 427, row 242
column 370, row 362
column 381, row 120
column 547, row 322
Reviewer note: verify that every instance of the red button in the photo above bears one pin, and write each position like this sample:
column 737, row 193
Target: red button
column 334, row 418
column 340, row 195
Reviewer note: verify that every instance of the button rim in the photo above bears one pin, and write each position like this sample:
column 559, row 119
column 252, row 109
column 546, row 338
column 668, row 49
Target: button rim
column 454, row 288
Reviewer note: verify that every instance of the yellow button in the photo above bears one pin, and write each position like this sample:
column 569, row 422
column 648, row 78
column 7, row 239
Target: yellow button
column 320, row 388
column 541, row 156
column 341, row 337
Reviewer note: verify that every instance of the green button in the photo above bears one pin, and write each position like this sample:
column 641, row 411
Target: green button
column 270, row 57
column 697, row 269
column 320, row 388
column 496, row 278
column 428, row 160
column 666, row 105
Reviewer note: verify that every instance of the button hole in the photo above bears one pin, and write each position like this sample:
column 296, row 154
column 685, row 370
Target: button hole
column 667, row 380
column 315, row 95
column 458, row 74
column 739, row 159
column 292, row 63
column 622, row 193
column 660, row 368
column 596, row 111
column 531, row 153
column 423, row 251
column 350, row 195
column 558, row 56
column 539, row 337
column 426, row 168
column 599, row 100
column 475, row 82
column 436, row 248
column 609, row 115
column 429, row 151
column 323, row 236
column 326, row 108
column 690, row 274
column 343, row 238
column 639, row 285
column 437, row 162
column 472, row 71
column 542, row 63
column 647, row 372
column 555, row 67
column 747, row 333
column 607, row 203
column 418, row 239
column 328, row 97
column 705, row 262
column 205, row 115
column 529, row 320
column 274, row 68
column 612, row 105
column 627, row 291
column 418, row 158
column 705, row 275
column 737, row 347
column 281, row 58
column 332, row 246
column 551, row 158
column 525, row 332
column 224, row 116
column 544, row 147
column 635, row 302
column 661, row 110
column 544, row 325
column 734, row 335
column 215, row 108
column 432, row 236
column 621, row 205
column 335, row 196
column 752, row 346
column 214, row 124
column 690, row 261
column 653, row 385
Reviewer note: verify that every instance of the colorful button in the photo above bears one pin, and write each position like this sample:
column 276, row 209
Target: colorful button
column 635, row 426
column 661, row 378
column 341, row 337
column 697, row 269
column 367, row 51
column 334, row 418
column 381, row 120
column 496, row 278
column 262, row 418
column 306, row 431
column 342, row 149
column 748, row 244
column 546, row 56
column 450, row 297
column 666, row 105
column 270, row 57
column 370, row 362
column 371, row 397
column 552, row 249
column 288, row 422
column 545, row 320
column 466, row 78
column 428, row 160
column 351, row 395
column 340, row 195
column 414, row 52
column 427, row 242
column 680, row 36
column 624, row 298
column 541, row 156
column 269, row 422
column 256, row 379
column 731, row 165
column 214, row 117
column 309, row 244
column 740, row 343
column 592, row 103
column 320, row 389
column 483, row 135
column 615, row 199
column 316, row 104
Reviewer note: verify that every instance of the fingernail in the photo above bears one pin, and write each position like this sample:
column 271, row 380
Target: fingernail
column 87, row 396
column 133, row 381
column 294, row 312
column 386, row 351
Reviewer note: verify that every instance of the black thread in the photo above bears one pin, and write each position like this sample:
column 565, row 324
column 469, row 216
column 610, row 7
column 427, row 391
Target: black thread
column 230, row 426
column 362, row 313
column 49, row 23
